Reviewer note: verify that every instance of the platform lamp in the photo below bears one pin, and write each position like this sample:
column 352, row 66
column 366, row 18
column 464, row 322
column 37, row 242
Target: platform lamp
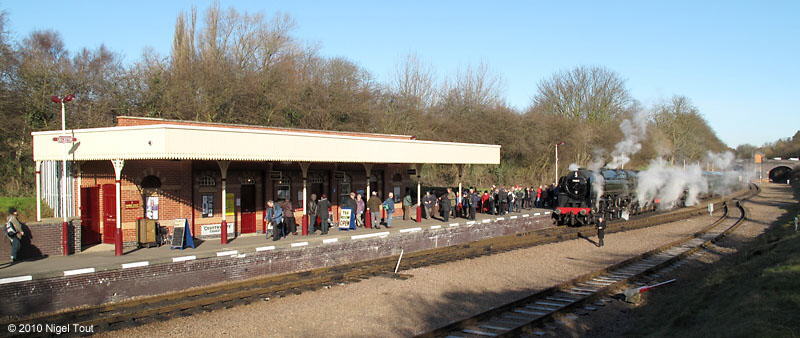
column 64, row 139
column 556, row 170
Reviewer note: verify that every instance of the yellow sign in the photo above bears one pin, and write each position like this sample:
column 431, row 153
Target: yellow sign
column 230, row 207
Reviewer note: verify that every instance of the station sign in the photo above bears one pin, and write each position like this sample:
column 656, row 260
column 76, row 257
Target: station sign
column 65, row 139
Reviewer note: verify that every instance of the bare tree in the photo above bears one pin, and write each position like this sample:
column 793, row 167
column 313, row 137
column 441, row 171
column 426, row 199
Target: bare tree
column 413, row 83
column 592, row 93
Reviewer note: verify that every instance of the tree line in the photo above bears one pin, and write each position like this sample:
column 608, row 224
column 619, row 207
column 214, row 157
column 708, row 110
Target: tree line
column 238, row 67
column 788, row 147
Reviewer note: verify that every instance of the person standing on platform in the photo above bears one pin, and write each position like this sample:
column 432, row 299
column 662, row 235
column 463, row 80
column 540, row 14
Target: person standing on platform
column 311, row 211
column 374, row 204
column 323, row 207
column 601, row 230
column 14, row 232
column 475, row 202
column 388, row 205
column 539, row 197
column 502, row 199
column 428, row 201
column 275, row 220
column 407, row 203
column 288, row 217
column 360, row 207
column 444, row 203
column 451, row 198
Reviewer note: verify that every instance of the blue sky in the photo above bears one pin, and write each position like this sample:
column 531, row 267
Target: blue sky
column 739, row 61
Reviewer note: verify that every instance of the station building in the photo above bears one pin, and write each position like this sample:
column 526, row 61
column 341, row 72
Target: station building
column 217, row 175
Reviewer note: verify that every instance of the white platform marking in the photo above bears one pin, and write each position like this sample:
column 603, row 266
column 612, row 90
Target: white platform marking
column 15, row 279
column 135, row 265
column 377, row 234
column 183, row 259
column 78, row 271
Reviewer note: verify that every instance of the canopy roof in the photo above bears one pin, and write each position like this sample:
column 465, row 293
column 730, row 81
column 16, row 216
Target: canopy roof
column 179, row 140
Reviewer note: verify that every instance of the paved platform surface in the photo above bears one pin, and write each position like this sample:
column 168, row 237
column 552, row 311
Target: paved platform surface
column 101, row 257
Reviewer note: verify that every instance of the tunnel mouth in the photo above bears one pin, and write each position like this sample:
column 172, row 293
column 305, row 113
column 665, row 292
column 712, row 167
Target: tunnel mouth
column 780, row 174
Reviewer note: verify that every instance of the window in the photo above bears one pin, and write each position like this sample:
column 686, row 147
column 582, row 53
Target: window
column 283, row 192
column 207, row 181
column 151, row 182
column 345, row 186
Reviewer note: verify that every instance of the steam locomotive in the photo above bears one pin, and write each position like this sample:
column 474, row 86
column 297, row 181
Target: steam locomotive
column 583, row 195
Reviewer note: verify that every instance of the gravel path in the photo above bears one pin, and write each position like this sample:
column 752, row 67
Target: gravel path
column 435, row 296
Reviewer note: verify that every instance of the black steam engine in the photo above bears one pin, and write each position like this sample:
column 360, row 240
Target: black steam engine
column 583, row 195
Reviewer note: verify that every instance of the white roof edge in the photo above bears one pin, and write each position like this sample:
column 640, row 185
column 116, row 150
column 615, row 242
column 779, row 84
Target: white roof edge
column 252, row 131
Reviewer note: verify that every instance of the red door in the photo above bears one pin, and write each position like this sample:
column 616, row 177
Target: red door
column 248, row 208
column 109, row 213
column 90, row 210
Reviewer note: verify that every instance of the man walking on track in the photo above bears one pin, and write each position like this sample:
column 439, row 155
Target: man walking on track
column 601, row 230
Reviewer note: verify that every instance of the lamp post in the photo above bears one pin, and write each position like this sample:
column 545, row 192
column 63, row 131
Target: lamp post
column 557, row 144
column 64, row 139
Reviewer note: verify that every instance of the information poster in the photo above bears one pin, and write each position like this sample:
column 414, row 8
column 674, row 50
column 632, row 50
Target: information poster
column 344, row 218
column 230, row 206
column 151, row 210
column 208, row 205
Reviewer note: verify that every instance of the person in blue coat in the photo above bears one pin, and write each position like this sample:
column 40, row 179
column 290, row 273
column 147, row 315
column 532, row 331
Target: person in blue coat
column 388, row 205
column 275, row 218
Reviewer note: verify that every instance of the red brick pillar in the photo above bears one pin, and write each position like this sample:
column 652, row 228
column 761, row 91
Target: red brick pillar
column 65, row 238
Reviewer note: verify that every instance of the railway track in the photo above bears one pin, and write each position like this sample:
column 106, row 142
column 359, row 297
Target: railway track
column 140, row 311
column 525, row 315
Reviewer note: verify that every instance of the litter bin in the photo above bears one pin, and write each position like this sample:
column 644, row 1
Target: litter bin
column 146, row 232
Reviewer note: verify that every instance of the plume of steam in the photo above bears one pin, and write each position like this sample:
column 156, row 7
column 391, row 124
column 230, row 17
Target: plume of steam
column 667, row 184
column 728, row 176
column 634, row 130
column 598, row 181
column 573, row 167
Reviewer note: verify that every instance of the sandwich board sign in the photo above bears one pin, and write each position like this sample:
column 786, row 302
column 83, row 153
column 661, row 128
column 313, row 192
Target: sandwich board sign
column 181, row 235
column 344, row 218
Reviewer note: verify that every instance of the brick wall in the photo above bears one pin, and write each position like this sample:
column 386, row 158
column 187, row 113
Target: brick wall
column 44, row 239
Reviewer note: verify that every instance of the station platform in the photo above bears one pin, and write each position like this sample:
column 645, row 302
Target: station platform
column 101, row 257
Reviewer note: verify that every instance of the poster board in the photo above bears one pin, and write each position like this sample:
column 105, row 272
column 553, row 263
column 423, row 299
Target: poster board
column 208, row 206
column 344, row 219
column 151, row 208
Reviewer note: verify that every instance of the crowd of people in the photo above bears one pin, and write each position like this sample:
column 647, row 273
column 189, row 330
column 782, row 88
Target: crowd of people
column 495, row 201
column 498, row 200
